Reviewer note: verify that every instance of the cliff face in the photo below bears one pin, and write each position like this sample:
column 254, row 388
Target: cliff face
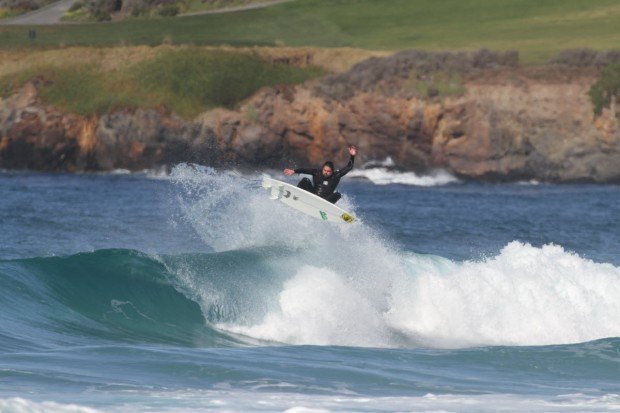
column 521, row 126
column 507, row 124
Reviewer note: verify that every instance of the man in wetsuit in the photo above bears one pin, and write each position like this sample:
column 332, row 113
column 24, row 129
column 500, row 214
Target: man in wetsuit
column 324, row 180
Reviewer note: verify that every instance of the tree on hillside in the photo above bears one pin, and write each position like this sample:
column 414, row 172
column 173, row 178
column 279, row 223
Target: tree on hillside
column 607, row 89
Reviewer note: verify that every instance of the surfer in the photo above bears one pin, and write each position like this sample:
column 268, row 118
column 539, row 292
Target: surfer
column 324, row 180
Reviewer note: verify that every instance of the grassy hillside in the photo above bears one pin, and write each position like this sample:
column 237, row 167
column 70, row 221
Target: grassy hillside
column 187, row 81
column 536, row 28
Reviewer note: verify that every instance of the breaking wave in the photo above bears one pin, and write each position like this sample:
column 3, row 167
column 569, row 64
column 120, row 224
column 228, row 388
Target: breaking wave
column 276, row 276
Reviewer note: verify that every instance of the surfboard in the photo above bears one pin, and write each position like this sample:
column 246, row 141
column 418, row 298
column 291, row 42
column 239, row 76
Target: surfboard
column 306, row 202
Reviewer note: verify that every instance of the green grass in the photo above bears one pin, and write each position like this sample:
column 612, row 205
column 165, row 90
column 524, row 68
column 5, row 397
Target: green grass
column 192, row 81
column 187, row 82
column 82, row 89
column 537, row 28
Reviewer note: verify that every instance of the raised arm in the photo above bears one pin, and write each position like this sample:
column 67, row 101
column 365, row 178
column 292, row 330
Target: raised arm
column 352, row 152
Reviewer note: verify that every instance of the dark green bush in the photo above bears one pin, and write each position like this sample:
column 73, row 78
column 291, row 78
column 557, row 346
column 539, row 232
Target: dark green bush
column 606, row 89
column 76, row 6
column 169, row 10
column 102, row 16
column 139, row 11
column 100, row 10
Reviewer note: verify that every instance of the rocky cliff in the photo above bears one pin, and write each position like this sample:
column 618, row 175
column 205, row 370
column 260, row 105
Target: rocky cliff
column 501, row 122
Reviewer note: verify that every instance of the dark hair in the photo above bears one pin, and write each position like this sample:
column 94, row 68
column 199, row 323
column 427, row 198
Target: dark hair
column 330, row 164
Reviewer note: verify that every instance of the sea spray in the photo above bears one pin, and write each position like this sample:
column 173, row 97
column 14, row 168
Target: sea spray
column 232, row 214
column 348, row 285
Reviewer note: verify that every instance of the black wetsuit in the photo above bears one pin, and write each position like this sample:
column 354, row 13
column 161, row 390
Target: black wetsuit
column 321, row 186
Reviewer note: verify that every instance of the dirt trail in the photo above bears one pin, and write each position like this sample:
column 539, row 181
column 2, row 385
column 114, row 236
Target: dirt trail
column 52, row 13
column 238, row 8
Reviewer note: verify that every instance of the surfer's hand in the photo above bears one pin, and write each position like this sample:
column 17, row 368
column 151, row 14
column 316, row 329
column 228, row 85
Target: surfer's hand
column 352, row 150
column 288, row 172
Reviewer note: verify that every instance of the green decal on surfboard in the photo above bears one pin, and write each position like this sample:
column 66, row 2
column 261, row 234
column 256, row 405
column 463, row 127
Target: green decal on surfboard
column 323, row 215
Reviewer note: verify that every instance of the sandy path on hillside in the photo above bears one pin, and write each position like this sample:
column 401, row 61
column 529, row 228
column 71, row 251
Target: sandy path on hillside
column 238, row 8
column 49, row 14
column 52, row 13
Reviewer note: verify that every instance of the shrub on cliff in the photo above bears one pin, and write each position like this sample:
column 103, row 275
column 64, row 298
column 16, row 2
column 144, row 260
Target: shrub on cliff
column 76, row 6
column 606, row 89
column 169, row 10
column 585, row 58
column 390, row 75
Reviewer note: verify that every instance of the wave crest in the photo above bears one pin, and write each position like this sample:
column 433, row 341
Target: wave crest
column 523, row 296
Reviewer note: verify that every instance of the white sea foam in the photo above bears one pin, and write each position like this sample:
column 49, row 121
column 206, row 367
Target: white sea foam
column 525, row 295
column 160, row 173
column 351, row 287
column 20, row 405
column 120, row 171
column 383, row 176
column 319, row 307
column 532, row 182
column 383, row 173
column 244, row 401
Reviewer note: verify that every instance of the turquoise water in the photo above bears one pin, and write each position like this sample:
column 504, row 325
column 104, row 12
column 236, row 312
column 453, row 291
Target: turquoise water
column 194, row 292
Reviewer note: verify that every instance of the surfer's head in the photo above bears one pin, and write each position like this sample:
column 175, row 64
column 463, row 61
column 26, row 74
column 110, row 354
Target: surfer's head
column 328, row 169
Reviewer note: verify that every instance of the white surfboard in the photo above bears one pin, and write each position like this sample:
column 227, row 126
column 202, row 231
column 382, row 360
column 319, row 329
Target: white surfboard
column 306, row 202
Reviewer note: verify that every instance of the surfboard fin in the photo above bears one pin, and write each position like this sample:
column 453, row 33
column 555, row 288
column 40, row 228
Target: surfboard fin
column 276, row 190
column 265, row 183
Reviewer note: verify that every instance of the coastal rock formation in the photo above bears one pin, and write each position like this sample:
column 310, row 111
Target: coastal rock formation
column 504, row 123
column 531, row 129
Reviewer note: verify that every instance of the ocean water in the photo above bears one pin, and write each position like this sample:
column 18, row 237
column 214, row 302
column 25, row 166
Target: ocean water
column 194, row 292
